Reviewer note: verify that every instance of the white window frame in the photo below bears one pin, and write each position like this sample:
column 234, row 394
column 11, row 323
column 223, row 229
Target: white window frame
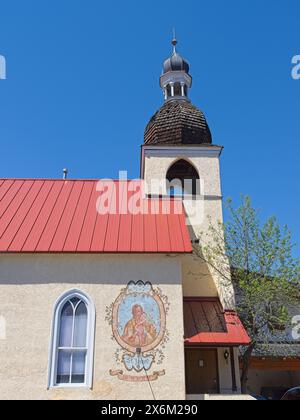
column 54, row 342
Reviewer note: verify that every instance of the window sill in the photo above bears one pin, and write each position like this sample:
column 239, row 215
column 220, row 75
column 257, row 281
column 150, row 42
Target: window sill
column 70, row 386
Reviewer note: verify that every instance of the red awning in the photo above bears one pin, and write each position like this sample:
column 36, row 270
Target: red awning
column 206, row 324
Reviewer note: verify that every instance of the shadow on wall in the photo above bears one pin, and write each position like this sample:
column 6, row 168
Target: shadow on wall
column 89, row 269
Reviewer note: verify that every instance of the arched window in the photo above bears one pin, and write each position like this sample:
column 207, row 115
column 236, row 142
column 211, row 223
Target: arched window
column 183, row 179
column 72, row 345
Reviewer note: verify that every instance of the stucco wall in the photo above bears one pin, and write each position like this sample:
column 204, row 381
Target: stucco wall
column 201, row 213
column 197, row 279
column 29, row 288
column 156, row 168
column 225, row 371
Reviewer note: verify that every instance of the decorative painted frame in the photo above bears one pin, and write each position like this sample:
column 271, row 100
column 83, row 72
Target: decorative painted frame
column 141, row 338
column 115, row 318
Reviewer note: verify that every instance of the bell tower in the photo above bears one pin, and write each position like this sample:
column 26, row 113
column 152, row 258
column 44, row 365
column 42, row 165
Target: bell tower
column 178, row 154
column 180, row 160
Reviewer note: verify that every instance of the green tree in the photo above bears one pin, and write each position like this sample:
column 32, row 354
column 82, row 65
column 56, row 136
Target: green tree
column 258, row 258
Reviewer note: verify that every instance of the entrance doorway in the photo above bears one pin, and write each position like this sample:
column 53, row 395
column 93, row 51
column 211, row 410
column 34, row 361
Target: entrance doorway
column 201, row 369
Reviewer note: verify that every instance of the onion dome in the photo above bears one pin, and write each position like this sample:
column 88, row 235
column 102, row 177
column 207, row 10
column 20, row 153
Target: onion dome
column 176, row 62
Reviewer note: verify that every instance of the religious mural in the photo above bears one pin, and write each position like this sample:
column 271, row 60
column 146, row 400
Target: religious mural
column 138, row 321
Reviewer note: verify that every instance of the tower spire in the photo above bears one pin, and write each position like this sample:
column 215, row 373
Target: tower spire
column 175, row 80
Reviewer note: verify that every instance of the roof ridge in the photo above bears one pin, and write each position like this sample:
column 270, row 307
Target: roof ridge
column 72, row 179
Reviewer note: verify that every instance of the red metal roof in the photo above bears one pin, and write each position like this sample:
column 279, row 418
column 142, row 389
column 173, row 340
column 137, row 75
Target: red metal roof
column 206, row 324
column 58, row 216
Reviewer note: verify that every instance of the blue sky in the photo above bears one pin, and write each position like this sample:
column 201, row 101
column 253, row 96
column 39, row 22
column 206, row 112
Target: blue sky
column 82, row 82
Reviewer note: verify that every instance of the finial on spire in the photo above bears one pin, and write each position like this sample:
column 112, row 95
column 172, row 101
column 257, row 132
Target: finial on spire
column 174, row 41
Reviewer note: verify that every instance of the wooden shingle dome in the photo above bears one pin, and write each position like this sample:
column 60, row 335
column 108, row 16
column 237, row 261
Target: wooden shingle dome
column 178, row 122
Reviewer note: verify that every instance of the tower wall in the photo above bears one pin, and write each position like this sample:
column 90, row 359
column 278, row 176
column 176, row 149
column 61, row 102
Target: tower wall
column 199, row 279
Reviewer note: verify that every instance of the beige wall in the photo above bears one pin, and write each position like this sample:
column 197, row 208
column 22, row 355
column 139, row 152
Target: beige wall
column 225, row 373
column 159, row 160
column 199, row 278
column 29, row 288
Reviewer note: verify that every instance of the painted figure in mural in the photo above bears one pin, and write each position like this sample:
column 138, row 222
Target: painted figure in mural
column 139, row 332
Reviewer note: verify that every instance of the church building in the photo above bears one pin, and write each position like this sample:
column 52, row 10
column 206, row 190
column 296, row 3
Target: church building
column 101, row 293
